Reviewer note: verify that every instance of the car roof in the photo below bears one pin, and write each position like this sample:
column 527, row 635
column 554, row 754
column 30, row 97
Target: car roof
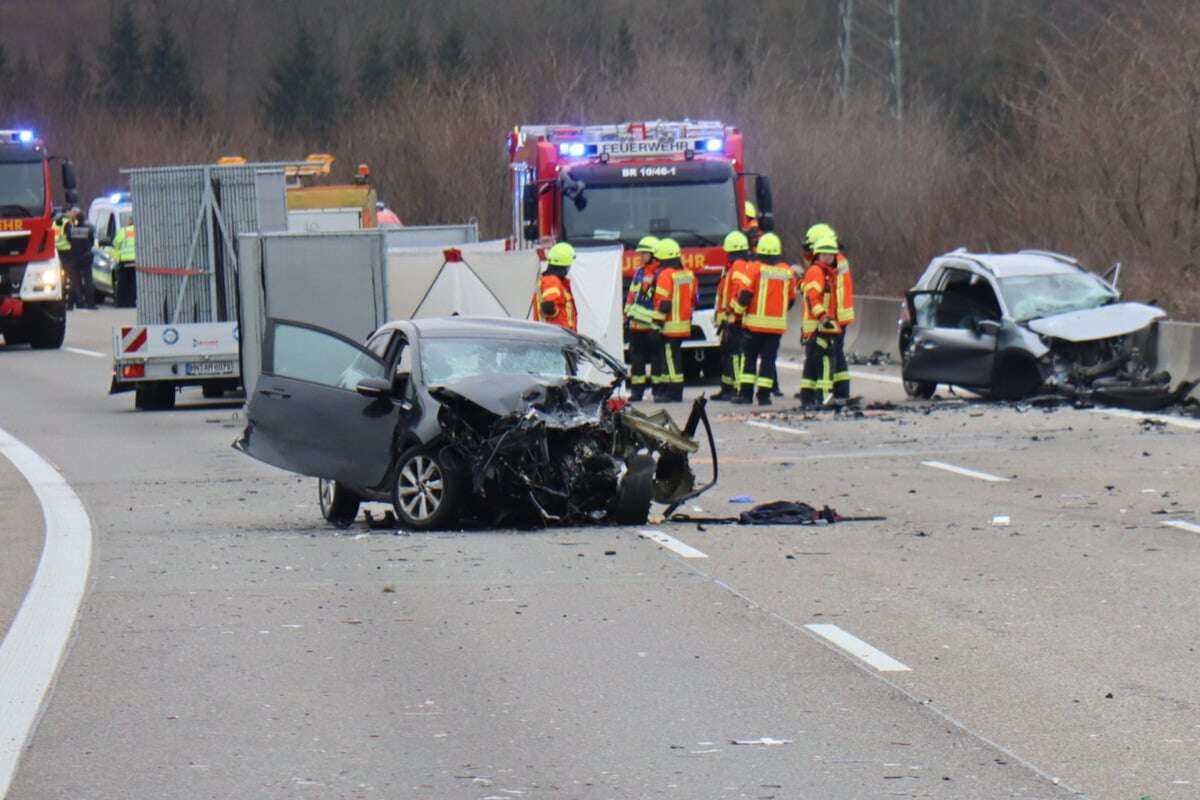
column 483, row 327
column 1021, row 263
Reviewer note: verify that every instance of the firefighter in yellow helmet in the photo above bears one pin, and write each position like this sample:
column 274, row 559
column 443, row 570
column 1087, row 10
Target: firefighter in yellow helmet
column 764, row 307
column 753, row 228
column 644, row 329
column 734, row 280
column 675, row 293
column 828, row 310
column 553, row 301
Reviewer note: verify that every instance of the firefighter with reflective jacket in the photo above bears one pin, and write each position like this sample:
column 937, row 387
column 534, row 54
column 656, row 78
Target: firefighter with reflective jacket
column 675, row 295
column 734, row 280
column 553, row 301
column 645, row 339
column 828, row 310
column 764, row 307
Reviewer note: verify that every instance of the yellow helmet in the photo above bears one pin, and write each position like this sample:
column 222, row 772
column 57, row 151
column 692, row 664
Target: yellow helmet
column 666, row 249
column 647, row 244
column 769, row 245
column 736, row 242
column 817, row 233
column 561, row 255
column 751, row 210
column 827, row 245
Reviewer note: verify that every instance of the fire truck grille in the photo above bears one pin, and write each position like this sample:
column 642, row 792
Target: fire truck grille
column 708, row 289
column 14, row 245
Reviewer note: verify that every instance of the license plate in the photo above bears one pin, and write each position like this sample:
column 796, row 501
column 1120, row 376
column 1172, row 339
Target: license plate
column 211, row 368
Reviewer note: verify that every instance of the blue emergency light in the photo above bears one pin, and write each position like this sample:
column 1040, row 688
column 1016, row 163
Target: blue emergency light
column 714, row 145
column 115, row 197
column 573, row 149
column 25, row 137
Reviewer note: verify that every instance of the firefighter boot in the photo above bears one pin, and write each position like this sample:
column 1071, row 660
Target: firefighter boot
column 764, row 397
column 677, row 392
column 726, row 393
column 637, row 393
column 745, row 395
column 808, row 398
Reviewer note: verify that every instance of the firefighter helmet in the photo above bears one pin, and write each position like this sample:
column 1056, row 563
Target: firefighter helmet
column 751, row 210
column 736, row 242
column 647, row 244
column 769, row 245
column 561, row 255
column 827, row 245
column 666, row 249
column 817, row 233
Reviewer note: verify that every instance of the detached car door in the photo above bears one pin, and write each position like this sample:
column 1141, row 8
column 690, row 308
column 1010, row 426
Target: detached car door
column 305, row 414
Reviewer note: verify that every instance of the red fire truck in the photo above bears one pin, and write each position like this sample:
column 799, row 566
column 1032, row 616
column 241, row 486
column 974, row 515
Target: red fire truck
column 32, row 299
column 599, row 185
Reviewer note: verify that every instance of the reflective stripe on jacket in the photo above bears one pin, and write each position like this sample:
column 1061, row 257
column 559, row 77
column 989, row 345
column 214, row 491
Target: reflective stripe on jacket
column 678, row 286
column 843, row 298
column 817, row 300
column 734, row 280
column 125, row 244
column 61, row 243
column 639, row 303
column 773, row 289
column 557, row 290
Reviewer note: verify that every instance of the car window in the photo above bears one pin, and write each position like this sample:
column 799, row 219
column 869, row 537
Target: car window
column 378, row 344
column 1031, row 296
column 965, row 298
column 319, row 357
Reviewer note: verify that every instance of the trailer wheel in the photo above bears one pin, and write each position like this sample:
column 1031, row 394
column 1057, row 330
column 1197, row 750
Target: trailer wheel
column 339, row 505
column 157, row 396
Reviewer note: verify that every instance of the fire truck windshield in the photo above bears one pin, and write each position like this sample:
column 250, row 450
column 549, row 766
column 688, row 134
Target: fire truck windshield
column 692, row 213
column 22, row 189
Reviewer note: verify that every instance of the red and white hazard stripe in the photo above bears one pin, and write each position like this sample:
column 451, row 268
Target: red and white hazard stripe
column 133, row 338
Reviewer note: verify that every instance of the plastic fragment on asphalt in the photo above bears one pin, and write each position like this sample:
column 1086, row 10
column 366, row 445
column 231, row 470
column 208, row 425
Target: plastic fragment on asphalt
column 765, row 740
column 1001, row 521
column 741, row 498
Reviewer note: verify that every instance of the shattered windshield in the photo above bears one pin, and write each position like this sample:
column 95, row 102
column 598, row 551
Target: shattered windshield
column 691, row 212
column 449, row 360
column 22, row 189
column 1032, row 296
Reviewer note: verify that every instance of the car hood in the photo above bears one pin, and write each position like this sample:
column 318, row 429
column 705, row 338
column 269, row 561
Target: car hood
column 1104, row 322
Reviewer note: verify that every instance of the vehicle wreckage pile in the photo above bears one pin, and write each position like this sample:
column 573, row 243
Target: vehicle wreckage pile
column 567, row 452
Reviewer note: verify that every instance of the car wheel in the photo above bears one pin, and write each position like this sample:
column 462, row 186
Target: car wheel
column 1015, row 378
column 339, row 505
column 428, row 491
column 632, row 503
column 918, row 390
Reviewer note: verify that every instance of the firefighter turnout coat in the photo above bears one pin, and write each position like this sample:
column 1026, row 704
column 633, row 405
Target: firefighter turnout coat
column 828, row 290
column 555, row 290
column 677, row 286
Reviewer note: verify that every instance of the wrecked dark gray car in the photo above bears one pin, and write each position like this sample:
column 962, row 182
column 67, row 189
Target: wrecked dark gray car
column 1016, row 324
column 460, row 420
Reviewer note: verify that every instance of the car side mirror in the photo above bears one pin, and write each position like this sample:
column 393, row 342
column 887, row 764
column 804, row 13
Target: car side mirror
column 987, row 326
column 529, row 211
column 764, row 202
column 68, row 178
column 373, row 387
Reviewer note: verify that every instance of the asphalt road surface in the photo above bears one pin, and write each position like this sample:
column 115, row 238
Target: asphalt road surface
column 1022, row 625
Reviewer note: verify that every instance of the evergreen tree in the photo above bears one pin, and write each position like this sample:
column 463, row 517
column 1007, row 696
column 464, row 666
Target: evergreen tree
column 452, row 53
column 303, row 94
column 409, row 58
column 624, row 57
column 76, row 76
column 124, row 69
column 375, row 75
column 168, row 86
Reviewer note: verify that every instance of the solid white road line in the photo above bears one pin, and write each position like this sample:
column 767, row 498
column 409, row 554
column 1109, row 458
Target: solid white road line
column 780, row 428
column 1191, row 527
column 82, row 352
column 671, row 543
column 31, row 652
column 858, row 648
column 970, row 473
column 1139, row 415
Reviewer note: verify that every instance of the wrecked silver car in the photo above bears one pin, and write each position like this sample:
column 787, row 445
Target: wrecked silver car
column 459, row 420
column 1015, row 324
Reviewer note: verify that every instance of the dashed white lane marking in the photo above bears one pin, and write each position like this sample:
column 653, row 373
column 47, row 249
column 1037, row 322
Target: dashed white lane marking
column 1139, row 415
column 780, row 428
column 970, row 473
column 31, row 652
column 1190, row 527
column 671, row 543
column 82, row 352
column 858, row 648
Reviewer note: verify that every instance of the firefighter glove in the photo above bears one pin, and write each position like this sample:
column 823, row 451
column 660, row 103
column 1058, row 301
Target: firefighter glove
column 744, row 297
column 547, row 308
column 665, row 307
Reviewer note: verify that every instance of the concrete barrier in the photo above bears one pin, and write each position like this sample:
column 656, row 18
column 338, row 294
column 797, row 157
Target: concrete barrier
column 1177, row 348
column 874, row 328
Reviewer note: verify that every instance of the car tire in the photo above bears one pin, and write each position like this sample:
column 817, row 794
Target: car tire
column 918, row 390
column 428, row 490
column 339, row 505
column 154, row 397
column 631, row 506
column 1015, row 377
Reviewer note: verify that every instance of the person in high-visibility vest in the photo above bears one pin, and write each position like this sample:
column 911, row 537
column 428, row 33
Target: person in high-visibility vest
column 675, row 296
column 553, row 302
column 124, row 248
column 828, row 311
column 764, row 307
column 734, row 279
column 645, row 339
column 753, row 228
